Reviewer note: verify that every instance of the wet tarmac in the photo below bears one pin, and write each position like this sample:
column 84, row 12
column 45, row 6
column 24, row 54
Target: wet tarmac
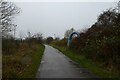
column 55, row 64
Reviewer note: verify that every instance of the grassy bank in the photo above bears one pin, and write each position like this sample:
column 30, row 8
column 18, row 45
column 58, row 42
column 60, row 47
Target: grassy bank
column 24, row 63
column 87, row 63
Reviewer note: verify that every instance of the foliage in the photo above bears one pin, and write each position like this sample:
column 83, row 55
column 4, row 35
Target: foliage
column 108, row 18
column 24, row 62
column 7, row 12
column 49, row 40
column 57, row 38
column 87, row 63
column 21, row 58
column 101, row 42
column 62, row 42
column 9, row 46
column 67, row 33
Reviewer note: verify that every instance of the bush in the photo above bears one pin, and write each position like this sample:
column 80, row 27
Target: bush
column 9, row 46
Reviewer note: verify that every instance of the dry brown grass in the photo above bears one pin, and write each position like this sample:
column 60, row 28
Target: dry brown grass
column 15, row 64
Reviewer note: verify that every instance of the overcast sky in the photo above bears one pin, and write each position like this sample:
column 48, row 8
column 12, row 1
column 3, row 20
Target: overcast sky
column 52, row 18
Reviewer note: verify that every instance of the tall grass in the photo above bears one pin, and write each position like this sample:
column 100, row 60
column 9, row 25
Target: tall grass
column 21, row 61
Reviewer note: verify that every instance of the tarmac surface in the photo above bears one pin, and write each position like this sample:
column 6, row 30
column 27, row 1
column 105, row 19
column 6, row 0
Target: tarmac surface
column 55, row 64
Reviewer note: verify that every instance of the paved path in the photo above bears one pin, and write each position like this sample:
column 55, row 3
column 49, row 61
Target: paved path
column 56, row 65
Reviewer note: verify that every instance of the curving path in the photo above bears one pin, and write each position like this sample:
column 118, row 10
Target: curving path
column 54, row 64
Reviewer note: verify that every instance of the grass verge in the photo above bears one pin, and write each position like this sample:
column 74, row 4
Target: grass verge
column 36, row 56
column 24, row 63
column 92, row 66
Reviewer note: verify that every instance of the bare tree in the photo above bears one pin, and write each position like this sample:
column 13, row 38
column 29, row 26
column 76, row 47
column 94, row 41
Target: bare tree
column 29, row 35
column 7, row 12
column 21, row 35
column 67, row 32
column 38, row 36
column 57, row 38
